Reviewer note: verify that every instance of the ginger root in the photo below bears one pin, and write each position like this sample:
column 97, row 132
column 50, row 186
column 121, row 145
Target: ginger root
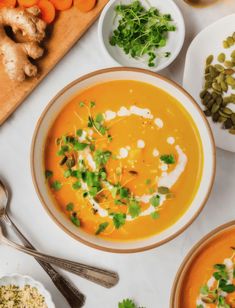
column 16, row 55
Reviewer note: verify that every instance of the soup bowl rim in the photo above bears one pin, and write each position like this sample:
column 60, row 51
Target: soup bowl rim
column 77, row 236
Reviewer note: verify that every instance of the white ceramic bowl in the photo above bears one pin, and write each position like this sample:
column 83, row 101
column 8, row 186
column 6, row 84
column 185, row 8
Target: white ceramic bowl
column 21, row 281
column 54, row 108
column 175, row 39
column 209, row 41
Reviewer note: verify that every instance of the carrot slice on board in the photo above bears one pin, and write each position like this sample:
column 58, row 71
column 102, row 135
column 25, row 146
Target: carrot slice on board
column 7, row 3
column 85, row 5
column 27, row 3
column 47, row 10
column 62, row 5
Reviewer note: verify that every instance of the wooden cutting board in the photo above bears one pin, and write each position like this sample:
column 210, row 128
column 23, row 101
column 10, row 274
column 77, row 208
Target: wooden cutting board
column 66, row 31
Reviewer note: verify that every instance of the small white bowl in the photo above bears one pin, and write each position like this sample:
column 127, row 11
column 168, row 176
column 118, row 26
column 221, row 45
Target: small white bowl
column 21, row 281
column 174, row 43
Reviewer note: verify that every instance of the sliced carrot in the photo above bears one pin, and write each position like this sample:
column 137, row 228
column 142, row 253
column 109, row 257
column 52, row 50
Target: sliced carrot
column 62, row 5
column 85, row 5
column 27, row 3
column 7, row 3
column 47, row 10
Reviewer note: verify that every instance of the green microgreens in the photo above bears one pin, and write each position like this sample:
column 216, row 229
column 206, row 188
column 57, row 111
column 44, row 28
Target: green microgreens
column 81, row 104
column 76, row 185
column 79, row 132
column 119, row 219
column 80, row 146
column 168, row 159
column 97, row 123
column 70, row 207
column 215, row 295
column 155, row 200
column 67, row 173
column 140, row 32
column 102, row 227
column 154, row 215
column 92, row 104
column 127, row 303
column 134, row 208
column 48, row 174
column 56, row 185
column 75, row 220
column 101, row 157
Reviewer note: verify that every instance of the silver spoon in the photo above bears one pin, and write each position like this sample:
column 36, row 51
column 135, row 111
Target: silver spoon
column 102, row 277
column 73, row 296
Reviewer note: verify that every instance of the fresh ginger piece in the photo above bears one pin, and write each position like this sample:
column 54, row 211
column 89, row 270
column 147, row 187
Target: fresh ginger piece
column 7, row 3
column 62, row 5
column 15, row 55
column 47, row 11
column 27, row 3
column 85, row 5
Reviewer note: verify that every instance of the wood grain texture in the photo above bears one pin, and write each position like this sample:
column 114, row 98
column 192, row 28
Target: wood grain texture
column 68, row 29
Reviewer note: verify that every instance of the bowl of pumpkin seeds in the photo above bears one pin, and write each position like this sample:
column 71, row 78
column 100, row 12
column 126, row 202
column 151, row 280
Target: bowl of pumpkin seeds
column 209, row 77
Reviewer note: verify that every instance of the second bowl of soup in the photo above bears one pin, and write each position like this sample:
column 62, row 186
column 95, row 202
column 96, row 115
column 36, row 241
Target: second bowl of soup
column 123, row 159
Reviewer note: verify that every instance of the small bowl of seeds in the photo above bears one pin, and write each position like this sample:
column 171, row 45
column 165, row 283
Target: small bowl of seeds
column 210, row 78
column 23, row 291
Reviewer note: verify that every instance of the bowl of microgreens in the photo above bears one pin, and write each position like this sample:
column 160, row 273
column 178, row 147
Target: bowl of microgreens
column 142, row 33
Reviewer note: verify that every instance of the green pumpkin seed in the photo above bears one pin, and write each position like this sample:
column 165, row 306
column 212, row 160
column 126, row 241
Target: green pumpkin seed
column 203, row 93
column 223, row 114
column 232, row 131
column 233, row 118
column 221, row 57
column 207, row 113
column 210, row 103
column 219, row 100
column 216, row 86
column 225, row 44
column 227, row 111
column 219, row 67
column 215, row 117
column 224, row 86
column 214, row 95
column 208, row 85
column 228, row 64
column 233, row 36
column 230, row 41
column 221, row 119
column 228, row 124
column 230, row 80
column 215, row 108
column 220, row 78
column 233, row 54
column 163, row 190
column 209, row 59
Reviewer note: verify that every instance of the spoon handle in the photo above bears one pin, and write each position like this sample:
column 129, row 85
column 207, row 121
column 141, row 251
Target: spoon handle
column 102, row 277
column 73, row 296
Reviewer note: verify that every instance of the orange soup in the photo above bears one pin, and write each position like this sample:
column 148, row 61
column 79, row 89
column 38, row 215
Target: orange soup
column 123, row 160
column 210, row 280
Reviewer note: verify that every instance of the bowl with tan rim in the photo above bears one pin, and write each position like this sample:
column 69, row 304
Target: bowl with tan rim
column 198, row 281
column 140, row 121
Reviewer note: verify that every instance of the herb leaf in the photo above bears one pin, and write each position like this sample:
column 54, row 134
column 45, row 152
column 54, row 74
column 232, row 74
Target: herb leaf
column 134, row 208
column 119, row 220
column 155, row 200
column 102, row 227
column 168, row 159
column 56, row 185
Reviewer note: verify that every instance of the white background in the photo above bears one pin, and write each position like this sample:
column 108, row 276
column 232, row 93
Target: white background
column 147, row 277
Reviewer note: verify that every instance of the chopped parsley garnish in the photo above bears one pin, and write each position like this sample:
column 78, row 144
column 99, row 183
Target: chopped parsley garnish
column 119, row 220
column 76, row 185
column 154, row 215
column 48, row 174
column 128, row 303
column 75, row 220
column 102, row 227
column 101, row 157
column 63, row 150
column 97, row 123
column 168, row 159
column 134, row 208
column 56, row 185
column 80, row 146
column 70, row 207
column 79, row 132
column 92, row 104
column 155, row 200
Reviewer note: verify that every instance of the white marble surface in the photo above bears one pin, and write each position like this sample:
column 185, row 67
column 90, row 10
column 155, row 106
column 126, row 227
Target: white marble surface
column 147, row 277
